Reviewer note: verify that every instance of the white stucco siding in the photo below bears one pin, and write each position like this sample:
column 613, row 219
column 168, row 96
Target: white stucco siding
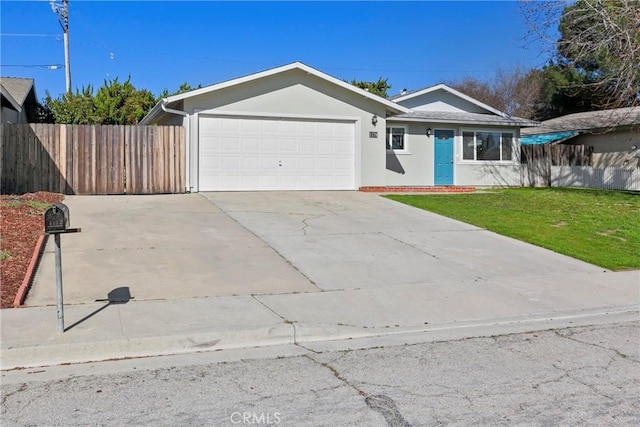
column 440, row 100
column 415, row 166
column 487, row 174
column 298, row 94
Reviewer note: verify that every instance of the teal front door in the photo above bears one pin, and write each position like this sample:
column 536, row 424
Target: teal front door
column 443, row 157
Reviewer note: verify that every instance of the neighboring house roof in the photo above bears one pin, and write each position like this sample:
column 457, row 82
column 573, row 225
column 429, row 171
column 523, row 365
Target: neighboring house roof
column 460, row 117
column 157, row 110
column 591, row 121
column 17, row 91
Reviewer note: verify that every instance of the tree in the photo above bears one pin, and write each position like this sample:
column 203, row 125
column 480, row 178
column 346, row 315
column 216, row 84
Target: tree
column 73, row 108
column 598, row 50
column 565, row 90
column 184, row 87
column 121, row 103
column 379, row 88
column 516, row 92
column 115, row 103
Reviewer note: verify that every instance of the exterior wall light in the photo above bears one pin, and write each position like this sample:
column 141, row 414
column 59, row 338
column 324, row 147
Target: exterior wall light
column 374, row 120
column 428, row 131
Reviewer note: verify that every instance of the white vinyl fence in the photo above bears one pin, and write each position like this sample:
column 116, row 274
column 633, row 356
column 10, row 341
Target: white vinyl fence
column 589, row 177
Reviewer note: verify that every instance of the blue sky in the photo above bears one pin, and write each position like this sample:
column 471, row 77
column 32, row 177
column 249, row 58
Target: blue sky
column 162, row 44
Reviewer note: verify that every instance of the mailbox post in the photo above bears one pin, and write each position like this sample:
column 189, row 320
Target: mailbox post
column 56, row 222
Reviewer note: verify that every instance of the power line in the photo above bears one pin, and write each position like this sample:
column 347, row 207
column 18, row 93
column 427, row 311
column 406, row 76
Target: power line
column 49, row 66
column 28, row 35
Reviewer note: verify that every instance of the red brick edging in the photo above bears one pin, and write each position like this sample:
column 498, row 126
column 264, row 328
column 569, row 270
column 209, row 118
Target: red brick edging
column 28, row 278
column 435, row 189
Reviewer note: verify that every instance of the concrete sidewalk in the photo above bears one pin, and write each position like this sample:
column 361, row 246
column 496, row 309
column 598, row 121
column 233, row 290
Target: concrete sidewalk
column 357, row 318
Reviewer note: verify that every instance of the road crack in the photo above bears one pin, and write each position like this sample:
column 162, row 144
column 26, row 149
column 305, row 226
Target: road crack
column 614, row 350
column 385, row 405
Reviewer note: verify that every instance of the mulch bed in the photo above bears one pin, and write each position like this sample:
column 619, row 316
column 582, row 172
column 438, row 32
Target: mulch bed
column 21, row 224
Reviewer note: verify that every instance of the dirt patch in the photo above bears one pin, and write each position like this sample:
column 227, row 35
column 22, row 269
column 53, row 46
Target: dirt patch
column 609, row 233
column 20, row 226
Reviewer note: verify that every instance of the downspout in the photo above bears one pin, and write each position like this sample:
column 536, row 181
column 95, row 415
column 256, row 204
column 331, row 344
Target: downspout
column 163, row 105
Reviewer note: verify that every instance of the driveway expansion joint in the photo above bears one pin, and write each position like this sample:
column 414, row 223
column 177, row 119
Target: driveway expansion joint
column 409, row 245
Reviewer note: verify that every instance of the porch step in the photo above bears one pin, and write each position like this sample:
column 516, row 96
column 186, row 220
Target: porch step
column 434, row 189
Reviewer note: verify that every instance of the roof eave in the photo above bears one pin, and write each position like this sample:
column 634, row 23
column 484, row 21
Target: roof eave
column 459, row 121
column 154, row 114
column 10, row 98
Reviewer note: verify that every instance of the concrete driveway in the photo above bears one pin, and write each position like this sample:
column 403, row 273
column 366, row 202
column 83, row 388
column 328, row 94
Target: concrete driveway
column 350, row 240
column 269, row 243
column 161, row 247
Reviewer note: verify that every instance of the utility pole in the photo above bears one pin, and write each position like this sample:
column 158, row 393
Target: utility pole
column 62, row 10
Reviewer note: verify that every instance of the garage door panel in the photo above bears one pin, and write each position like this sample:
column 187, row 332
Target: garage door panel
column 306, row 163
column 250, row 181
column 250, row 144
column 269, row 144
column 231, row 144
column 268, row 165
column 275, row 154
column 288, row 145
column 308, row 145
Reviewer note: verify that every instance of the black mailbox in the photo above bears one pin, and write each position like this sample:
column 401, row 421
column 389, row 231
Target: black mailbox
column 56, row 219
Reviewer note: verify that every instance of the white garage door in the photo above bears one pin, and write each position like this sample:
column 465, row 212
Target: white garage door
column 248, row 154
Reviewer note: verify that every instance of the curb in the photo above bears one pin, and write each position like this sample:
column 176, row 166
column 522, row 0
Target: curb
column 311, row 337
column 67, row 353
column 28, row 278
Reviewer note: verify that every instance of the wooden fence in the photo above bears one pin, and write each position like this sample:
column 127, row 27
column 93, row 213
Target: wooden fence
column 571, row 166
column 537, row 161
column 92, row 159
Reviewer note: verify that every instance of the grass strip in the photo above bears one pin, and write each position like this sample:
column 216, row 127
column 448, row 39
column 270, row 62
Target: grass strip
column 601, row 227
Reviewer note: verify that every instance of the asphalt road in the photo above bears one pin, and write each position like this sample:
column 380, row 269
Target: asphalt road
column 578, row 376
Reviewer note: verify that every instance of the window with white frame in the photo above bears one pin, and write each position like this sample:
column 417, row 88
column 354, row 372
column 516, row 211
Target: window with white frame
column 487, row 145
column 397, row 138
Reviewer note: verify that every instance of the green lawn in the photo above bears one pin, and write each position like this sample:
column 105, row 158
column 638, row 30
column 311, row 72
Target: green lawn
column 597, row 226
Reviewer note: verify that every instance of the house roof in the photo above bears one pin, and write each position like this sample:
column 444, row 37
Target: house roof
column 415, row 93
column 590, row 121
column 16, row 90
column 157, row 109
column 463, row 118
